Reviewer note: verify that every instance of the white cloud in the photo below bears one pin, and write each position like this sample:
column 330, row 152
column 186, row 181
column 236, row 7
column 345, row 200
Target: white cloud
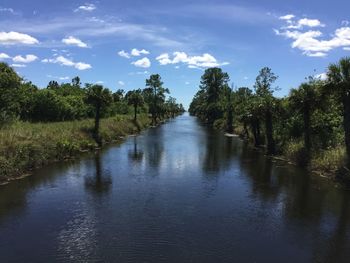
column 18, row 65
column 99, row 82
column 82, row 66
column 4, row 56
column 14, row 38
column 292, row 23
column 121, row 83
column 164, row 59
column 322, row 76
column 187, row 83
column 67, row 62
column 6, row 9
column 26, row 59
column 287, row 17
column 310, row 42
column 74, row 41
column 316, row 54
column 310, row 22
column 87, row 7
column 124, row 54
column 142, row 63
column 204, row 61
column 347, row 48
column 135, row 52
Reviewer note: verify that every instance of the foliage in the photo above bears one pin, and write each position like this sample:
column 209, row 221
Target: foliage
column 309, row 126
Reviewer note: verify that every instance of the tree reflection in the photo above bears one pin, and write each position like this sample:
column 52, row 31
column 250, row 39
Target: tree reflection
column 101, row 181
column 136, row 154
column 219, row 152
column 154, row 147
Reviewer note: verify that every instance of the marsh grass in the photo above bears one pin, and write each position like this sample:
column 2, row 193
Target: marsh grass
column 25, row 146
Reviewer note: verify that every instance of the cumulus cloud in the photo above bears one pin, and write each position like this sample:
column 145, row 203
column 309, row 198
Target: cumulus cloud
column 67, row 62
column 25, row 59
column 204, row 61
column 292, row 23
column 135, row 52
column 310, row 42
column 121, row 83
column 74, row 41
column 124, row 54
column 142, row 63
column 310, row 22
column 4, row 56
column 15, row 38
column 86, row 7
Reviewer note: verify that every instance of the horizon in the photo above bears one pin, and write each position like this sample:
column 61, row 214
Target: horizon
column 120, row 44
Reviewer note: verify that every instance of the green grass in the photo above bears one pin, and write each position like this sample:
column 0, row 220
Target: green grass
column 329, row 161
column 25, row 146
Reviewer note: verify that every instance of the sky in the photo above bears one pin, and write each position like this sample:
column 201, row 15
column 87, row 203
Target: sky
column 120, row 43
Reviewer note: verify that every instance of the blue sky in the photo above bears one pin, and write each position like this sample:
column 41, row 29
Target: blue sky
column 120, row 43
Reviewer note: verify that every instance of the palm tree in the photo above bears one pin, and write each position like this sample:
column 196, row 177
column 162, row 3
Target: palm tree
column 135, row 99
column 264, row 91
column 339, row 82
column 304, row 99
column 99, row 97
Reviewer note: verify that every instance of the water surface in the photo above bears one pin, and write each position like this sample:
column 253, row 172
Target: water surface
column 176, row 193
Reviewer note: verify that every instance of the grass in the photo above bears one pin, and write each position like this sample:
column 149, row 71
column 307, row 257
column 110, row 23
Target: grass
column 25, row 146
column 329, row 161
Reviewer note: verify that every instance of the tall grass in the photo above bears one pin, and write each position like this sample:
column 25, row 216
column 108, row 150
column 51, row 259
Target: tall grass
column 25, row 146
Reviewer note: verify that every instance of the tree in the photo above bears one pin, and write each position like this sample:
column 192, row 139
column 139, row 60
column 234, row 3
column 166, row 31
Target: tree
column 243, row 103
column 228, row 97
column 172, row 106
column 99, row 97
column 135, row 99
column 213, row 82
column 339, row 83
column 304, row 100
column 264, row 90
column 9, row 87
column 155, row 95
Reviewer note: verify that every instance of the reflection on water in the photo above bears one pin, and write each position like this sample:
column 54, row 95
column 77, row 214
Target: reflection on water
column 176, row 193
column 100, row 182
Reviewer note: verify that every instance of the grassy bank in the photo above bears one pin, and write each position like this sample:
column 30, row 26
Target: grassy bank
column 25, row 146
column 328, row 162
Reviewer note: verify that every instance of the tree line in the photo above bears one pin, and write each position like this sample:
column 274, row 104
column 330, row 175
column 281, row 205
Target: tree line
column 22, row 100
column 313, row 119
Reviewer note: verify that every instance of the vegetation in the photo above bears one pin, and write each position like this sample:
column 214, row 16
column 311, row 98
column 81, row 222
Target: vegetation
column 309, row 126
column 52, row 123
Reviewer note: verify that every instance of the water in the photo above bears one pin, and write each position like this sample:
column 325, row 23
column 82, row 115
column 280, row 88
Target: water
column 176, row 193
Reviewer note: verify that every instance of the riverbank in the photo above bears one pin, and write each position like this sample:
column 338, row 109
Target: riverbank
column 329, row 163
column 26, row 146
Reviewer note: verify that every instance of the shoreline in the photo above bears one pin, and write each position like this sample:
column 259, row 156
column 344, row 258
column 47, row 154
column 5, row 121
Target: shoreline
column 340, row 176
column 23, row 154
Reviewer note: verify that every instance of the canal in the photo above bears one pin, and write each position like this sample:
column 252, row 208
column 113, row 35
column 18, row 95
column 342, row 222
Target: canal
column 179, row 192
